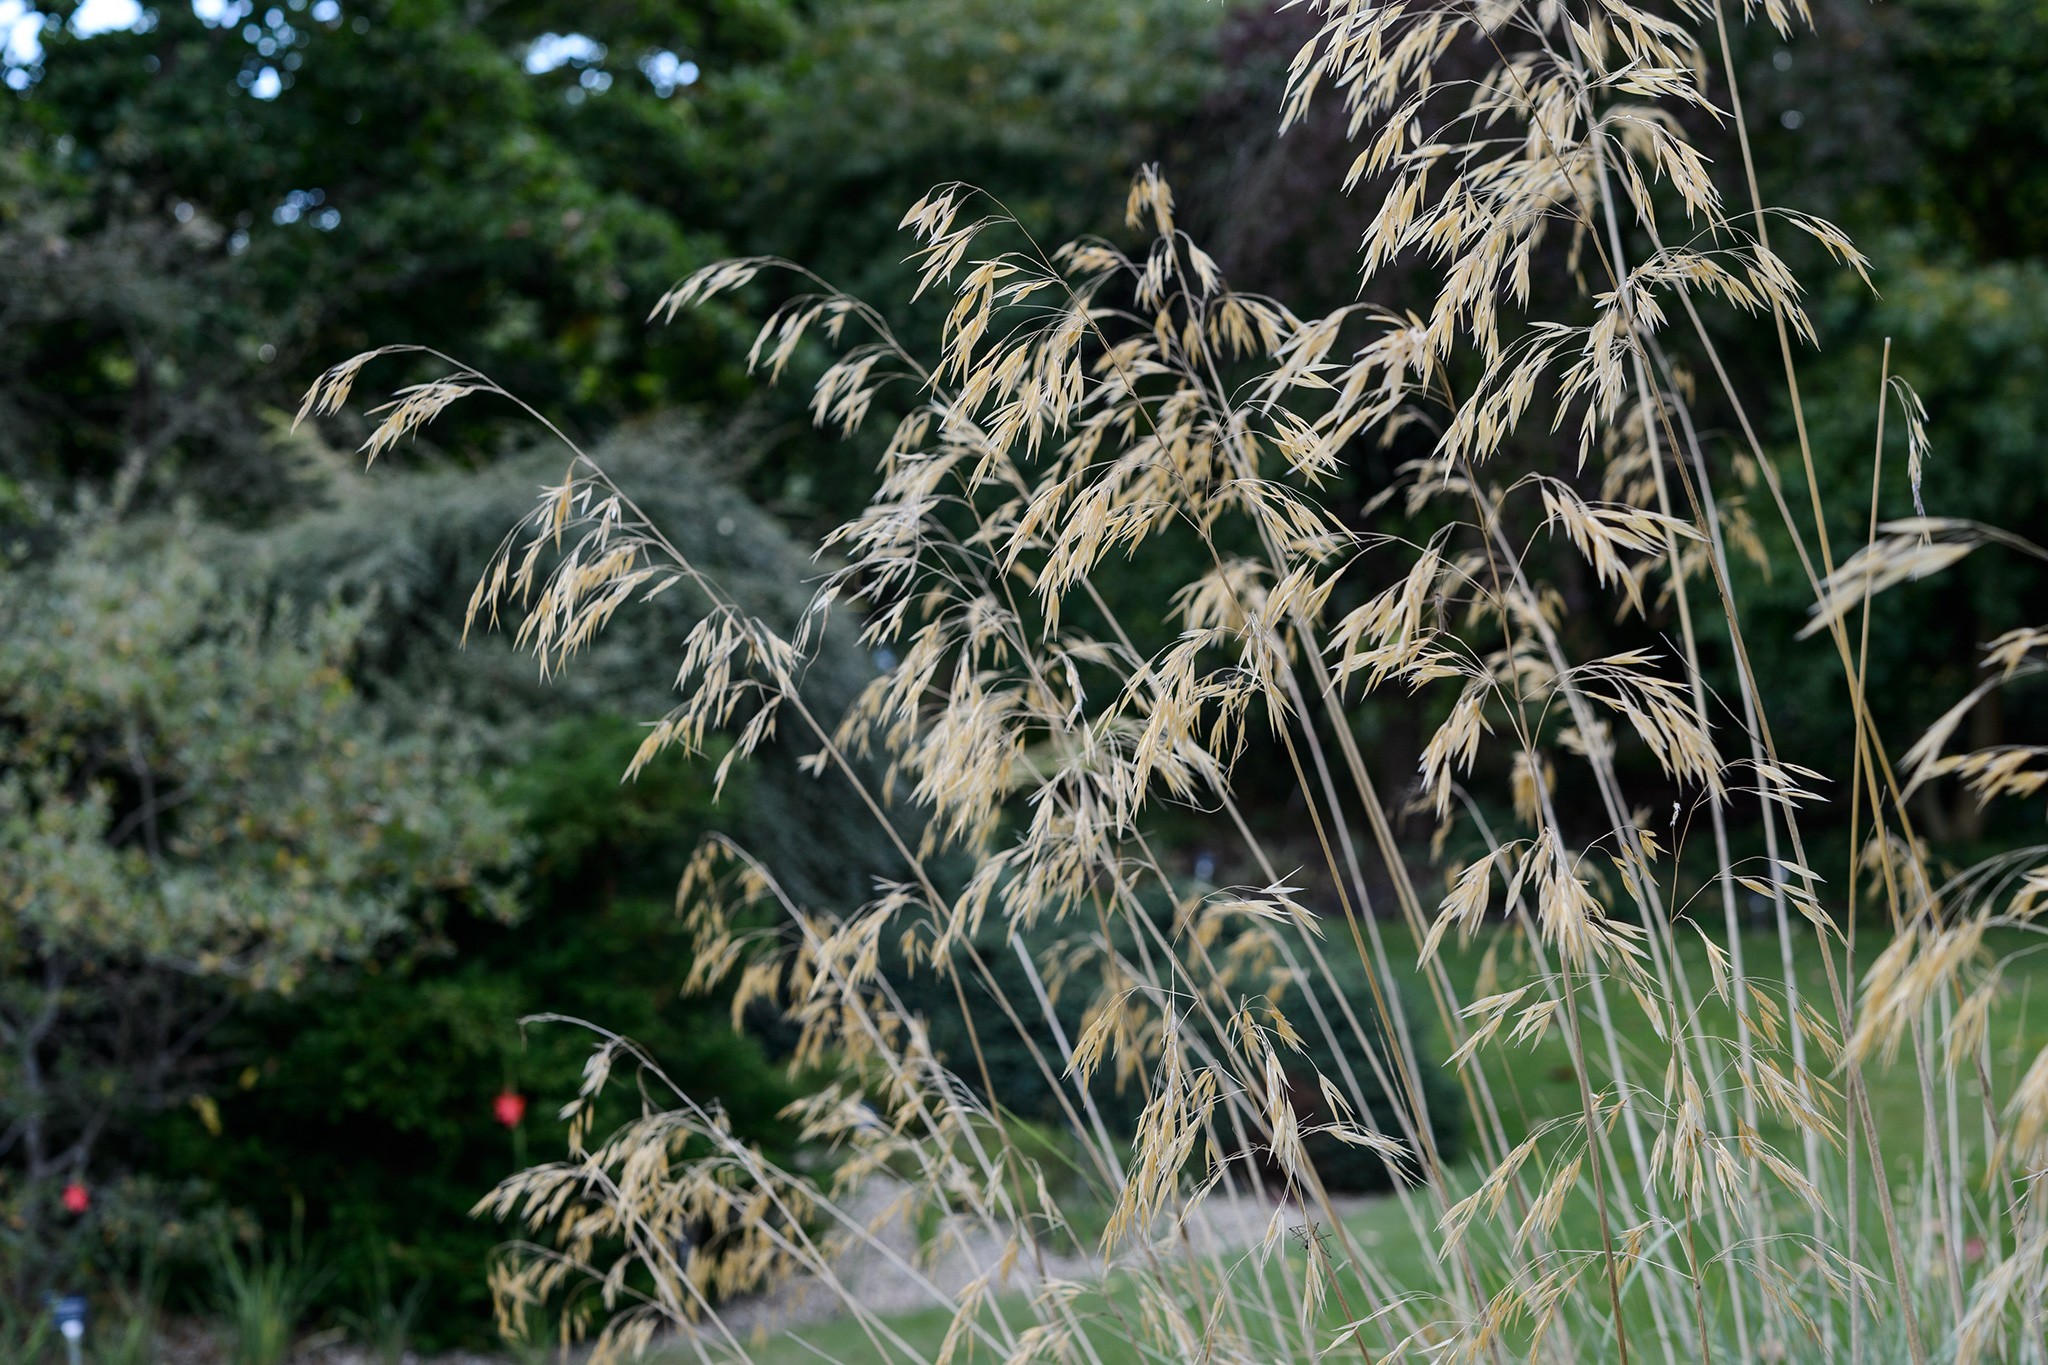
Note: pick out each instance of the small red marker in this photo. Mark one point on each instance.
(509, 1108)
(76, 1198)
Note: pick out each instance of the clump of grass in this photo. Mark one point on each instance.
(129, 1340)
(261, 1296)
(130, 1335)
(25, 1333)
(1717, 1187)
(385, 1324)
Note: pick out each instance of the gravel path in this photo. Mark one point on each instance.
(894, 1277)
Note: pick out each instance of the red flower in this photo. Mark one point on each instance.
(76, 1198)
(509, 1108)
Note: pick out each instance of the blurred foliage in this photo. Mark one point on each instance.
(1919, 128)
(1045, 104)
(196, 808)
(370, 1097)
(407, 179)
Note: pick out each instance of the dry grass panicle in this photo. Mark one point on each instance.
(1720, 1190)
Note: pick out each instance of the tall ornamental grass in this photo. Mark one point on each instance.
(1719, 1191)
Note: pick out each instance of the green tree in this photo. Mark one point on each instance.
(196, 808)
(250, 194)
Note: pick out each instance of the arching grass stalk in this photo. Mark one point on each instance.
(1110, 402)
